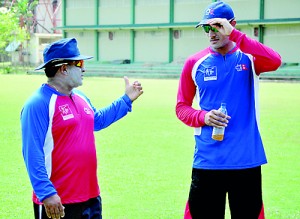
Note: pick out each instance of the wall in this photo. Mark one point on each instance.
(286, 40)
(85, 40)
(154, 23)
(114, 45)
(189, 10)
(155, 11)
(151, 46)
(282, 9)
(114, 12)
(189, 42)
(80, 12)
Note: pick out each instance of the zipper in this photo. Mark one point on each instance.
(74, 103)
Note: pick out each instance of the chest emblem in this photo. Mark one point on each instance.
(66, 112)
(87, 110)
(241, 67)
(210, 73)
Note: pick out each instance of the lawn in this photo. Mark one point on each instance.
(145, 159)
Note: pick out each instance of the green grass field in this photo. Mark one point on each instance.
(145, 159)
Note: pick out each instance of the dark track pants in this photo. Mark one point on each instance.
(207, 198)
(91, 209)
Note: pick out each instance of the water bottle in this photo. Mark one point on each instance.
(218, 133)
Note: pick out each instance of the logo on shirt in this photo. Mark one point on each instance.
(210, 73)
(87, 110)
(66, 112)
(241, 67)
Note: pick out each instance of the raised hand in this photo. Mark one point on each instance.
(222, 25)
(133, 90)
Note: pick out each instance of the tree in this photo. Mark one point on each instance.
(24, 10)
(15, 22)
(10, 29)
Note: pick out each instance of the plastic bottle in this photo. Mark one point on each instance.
(218, 133)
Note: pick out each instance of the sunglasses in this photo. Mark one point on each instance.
(207, 28)
(79, 63)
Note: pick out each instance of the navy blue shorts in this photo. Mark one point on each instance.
(91, 209)
(207, 198)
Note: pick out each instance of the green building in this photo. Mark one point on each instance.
(163, 31)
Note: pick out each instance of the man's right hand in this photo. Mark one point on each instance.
(54, 207)
(216, 118)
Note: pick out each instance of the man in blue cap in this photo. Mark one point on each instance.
(225, 72)
(58, 144)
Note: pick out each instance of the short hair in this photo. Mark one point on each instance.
(50, 71)
(52, 67)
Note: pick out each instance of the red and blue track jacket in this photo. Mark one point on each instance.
(233, 79)
(59, 144)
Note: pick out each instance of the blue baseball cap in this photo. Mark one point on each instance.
(64, 49)
(216, 10)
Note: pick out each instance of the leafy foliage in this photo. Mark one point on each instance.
(15, 22)
(24, 10)
(9, 28)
